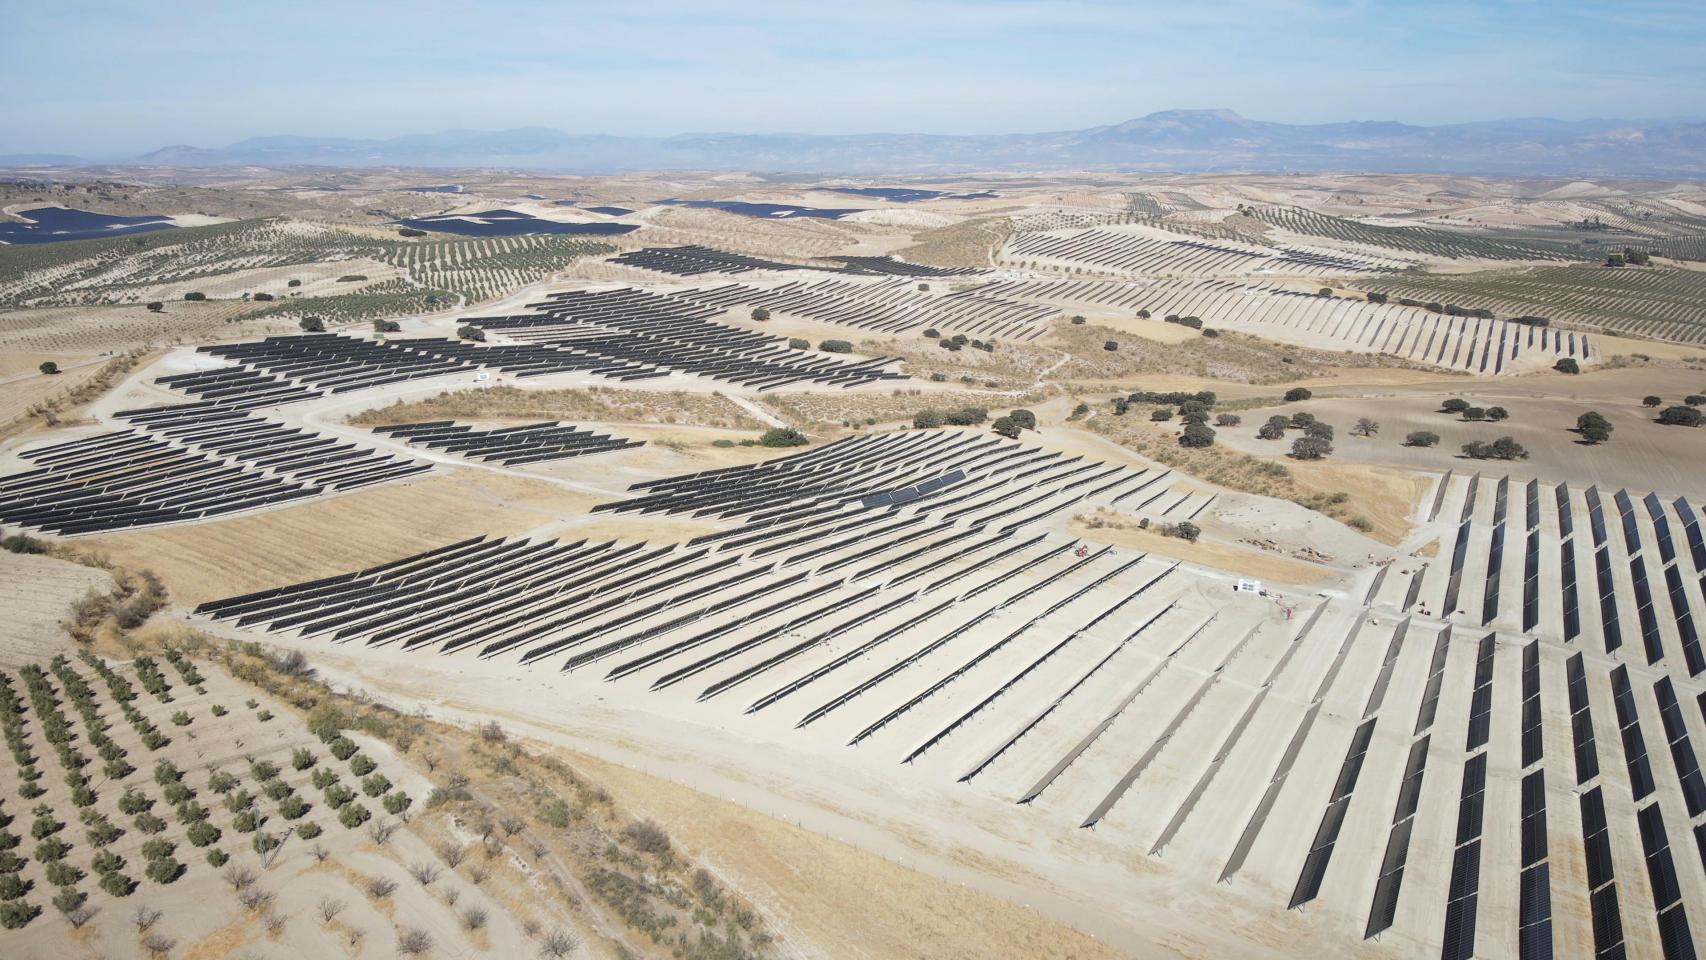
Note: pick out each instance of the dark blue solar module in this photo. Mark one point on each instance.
(509, 223)
(610, 211)
(441, 188)
(769, 211)
(897, 194)
(52, 224)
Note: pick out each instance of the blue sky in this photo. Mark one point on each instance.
(112, 79)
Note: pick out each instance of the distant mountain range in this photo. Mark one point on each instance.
(1181, 140)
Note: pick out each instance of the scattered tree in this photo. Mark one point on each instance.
(783, 437)
(195, 296)
(835, 346)
(1682, 416)
(1497, 414)
(1298, 393)
(49, 367)
(1366, 427)
(760, 314)
(1197, 435)
(1311, 448)
(155, 306)
(1567, 365)
(1421, 438)
(1006, 427)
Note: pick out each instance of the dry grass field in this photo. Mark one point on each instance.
(206, 561)
(612, 405)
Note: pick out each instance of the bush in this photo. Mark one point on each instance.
(1681, 416)
(1567, 365)
(932, 333)
(15, 914)
(401, 232)
(308, 831)
(470, 332)
(1454, 405)
(760, 314)
(1274, 429)
(1112, 346)
(375, 784)
(1298, 393)
(1311, 448)
(1197, 435)
(1651, 401)
(117, 884)
(835, 346)
(1421, 438)
(396, 802)
(386, 326)
(12, 886)
(302, 758)
(1006, 427)
(1376, 297)
(353, 815)
(155, 306)
(799, 343)
(1228, 420)
(775, 437)
(647, 837)
(1497, 414)
(342, 747)
(1024, 418)
(1503, 448)
(195, 296)
(312, 325)
(201, 833)
(163, 870)
(1474, 413)
(48, 367)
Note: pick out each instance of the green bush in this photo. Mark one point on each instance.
(323, 778)
(134, 802)
(62, 874)
(117, 884)
(375, 785)
(777, 437)
(1197, 435)
(157, 848)
(362, 765)
(292, 807)
(353, 815)
(12, 886)
(202, 833)
(1421, 438)
(15, 914)
(1006, 427)
(163, 870)
(396, 802)
(343, 748)
(308, 831)
(1298, 393)
(835, 346)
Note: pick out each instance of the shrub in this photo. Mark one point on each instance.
(292, 807)
(163, 870)
(835, 346)
(1006, 427)
(117, 884)
(353, 815)
(1694, 399)
(928, 419)
(1112, 346)
(155, 306)
(343, 748)
(149, 823)
(799, 343)
(246, 822)
(1498, 413)
(134, 802)
(1365, 426)
(48, 367)
(1161, 414)
(1474, 413)
(1421, 438)
(201, 833)
(1651, 401)
(308, 831)
(1681, 416)
(1298, 393)
(62, 874)
(323, 778)
(375, 784)
(1567, 365)
(774, 437)
(15, 914)
(760, 314)
(312, 325)
(1311, 448)
(1197, 435)
(1274, 429)
(1228, 420)
(217, 857)
(12, 886)
(1024, 418)
(471, 332)
(195, 296)
(647, 837)
(386, 326)
(396, 802)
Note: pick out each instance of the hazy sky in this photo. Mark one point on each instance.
(108, 79)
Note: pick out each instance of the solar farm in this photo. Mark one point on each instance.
(990, 548)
